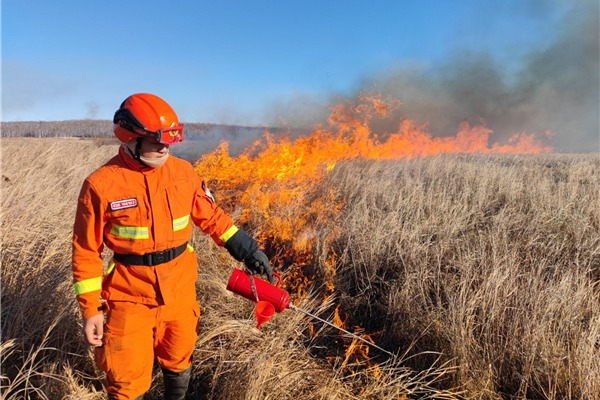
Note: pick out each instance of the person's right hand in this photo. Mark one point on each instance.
(93, 330)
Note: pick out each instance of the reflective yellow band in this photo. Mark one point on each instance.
(229, 233)
(190, 248)
(180, 223)
(130, 232)
(88, 285)
(111, 266)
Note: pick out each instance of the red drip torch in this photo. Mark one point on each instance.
(270, 298)
(256, 289)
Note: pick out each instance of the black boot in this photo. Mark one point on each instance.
(176, 383)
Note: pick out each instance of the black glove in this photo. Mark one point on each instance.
(258, 263)
(244, 248)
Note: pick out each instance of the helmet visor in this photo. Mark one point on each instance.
(171, 135)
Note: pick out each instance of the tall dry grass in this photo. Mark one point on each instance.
(481, 273)
(492, 261)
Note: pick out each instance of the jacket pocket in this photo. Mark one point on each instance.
(125, 219)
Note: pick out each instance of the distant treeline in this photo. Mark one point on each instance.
(74, 128)
(90, 128)
(200, 138)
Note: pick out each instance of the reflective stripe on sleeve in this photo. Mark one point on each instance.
(229, 233)
(181, 223)
(130, 232)
(88, 285)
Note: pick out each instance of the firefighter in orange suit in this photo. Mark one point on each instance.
(141, 204)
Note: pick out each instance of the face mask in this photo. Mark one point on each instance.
(155, 162)
(150, 162)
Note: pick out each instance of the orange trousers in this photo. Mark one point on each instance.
(136, 334)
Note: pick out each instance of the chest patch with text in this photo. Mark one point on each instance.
(123, 204)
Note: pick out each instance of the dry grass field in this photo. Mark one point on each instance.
(480, 272)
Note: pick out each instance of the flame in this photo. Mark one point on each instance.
(274, 188)
(356, 350)
(337, 320)
(275, 185)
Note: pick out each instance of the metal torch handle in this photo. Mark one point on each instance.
(253, 286)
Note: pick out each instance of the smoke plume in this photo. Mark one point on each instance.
(556, 89)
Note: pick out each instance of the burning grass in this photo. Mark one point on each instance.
(473, 260)
(479, 271)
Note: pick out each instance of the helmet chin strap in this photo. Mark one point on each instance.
(136, 154)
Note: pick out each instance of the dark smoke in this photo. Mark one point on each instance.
(556, 89)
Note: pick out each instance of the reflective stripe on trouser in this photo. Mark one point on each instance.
(135, 334)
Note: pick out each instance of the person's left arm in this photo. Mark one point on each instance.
(211, 219)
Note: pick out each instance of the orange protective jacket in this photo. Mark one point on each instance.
(137, 210)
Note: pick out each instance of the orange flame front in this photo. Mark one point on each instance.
(275, 190)
(276, 184)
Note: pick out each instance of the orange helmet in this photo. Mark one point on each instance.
(147, 115)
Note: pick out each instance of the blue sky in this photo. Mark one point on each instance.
(252, 62)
